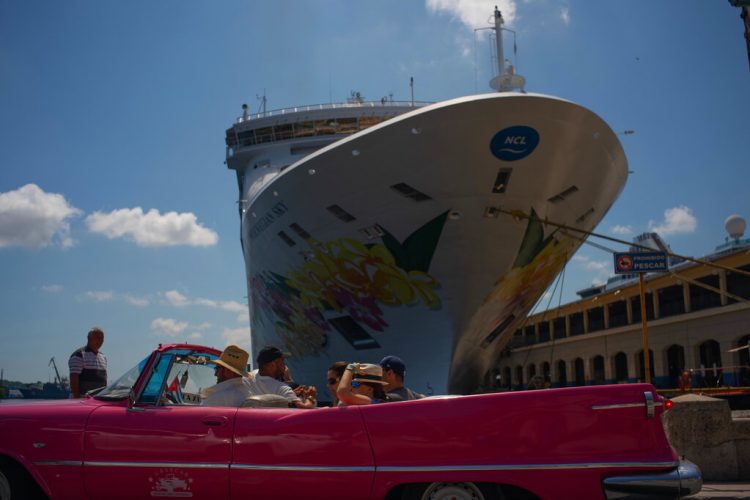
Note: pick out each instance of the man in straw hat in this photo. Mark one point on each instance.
(232, 387)
(268, 379)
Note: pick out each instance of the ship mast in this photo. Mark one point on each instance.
(506, 79)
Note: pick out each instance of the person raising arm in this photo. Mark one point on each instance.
(361, 384)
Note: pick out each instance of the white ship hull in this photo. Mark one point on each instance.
(395, 240)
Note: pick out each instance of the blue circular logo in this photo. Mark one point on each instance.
(514, 143)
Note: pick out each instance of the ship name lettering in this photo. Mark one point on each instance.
(268, 218)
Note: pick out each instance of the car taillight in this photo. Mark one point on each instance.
(668, 404)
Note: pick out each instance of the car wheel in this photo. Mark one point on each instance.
(15, 483)
(4, 487)
(451, 491)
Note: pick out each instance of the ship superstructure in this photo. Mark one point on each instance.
(375, 228)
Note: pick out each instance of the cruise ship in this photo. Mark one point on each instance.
(414, 229)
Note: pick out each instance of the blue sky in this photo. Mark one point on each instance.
(116, 208)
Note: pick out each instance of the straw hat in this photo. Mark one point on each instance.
(370, 374)
(234, 358)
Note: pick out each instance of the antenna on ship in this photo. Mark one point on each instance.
(506, 79)
(262, 99)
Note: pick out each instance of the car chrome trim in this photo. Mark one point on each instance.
(622, 405)
(408, 468)
(304, 468)
(516, 467)
(456, 468)
(683, 480)
(181, 465)
(75, 463)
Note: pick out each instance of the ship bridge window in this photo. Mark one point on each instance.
(702, 298)
(304, 129)
(231, 138)
(264, 134)
(353, 333)
(300, 231)
(341, 213)
(369, 121)
(262, 164)
(324, 127)
(285, 131)
(501, 182)
(563, 194)
(346, 125)
(409, 192)
(285, 237)
(671, 301)
(246, 138)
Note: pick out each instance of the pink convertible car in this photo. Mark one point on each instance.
(147, 436)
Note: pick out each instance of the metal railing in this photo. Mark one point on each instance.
(336, 105)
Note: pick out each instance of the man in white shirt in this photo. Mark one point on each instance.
(268, 379)
(232, 386)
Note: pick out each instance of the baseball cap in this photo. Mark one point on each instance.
(269, 353)
(395, 364)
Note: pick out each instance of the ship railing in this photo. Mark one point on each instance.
(336, 105)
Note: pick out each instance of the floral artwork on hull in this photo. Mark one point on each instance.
(345, 276)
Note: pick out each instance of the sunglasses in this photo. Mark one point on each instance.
(355, 384)
(332, 381)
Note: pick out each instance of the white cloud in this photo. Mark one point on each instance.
(677, 220)
(136, 301)
(52, 288)
(238, 336)
(195, 336)
(474, 13)
(152, 229)
(100, 295)
(109, 296)
(176, 298)
(31, 218)
(167, 327)
(622, 230)
(565, 15)
(602, 269)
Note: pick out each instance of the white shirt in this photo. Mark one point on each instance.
(232, 392)
(263, 384)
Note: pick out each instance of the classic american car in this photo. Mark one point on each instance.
(146, 435)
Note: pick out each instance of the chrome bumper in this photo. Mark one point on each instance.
(683, 480)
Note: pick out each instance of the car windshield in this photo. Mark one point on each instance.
(120, 388)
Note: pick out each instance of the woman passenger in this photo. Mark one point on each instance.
(335, 371)
(361, 384)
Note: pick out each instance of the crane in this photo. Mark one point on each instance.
(58, 379)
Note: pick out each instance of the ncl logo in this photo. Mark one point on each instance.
(514, 143)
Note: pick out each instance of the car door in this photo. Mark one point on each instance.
(293, 453)
(151, 449)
